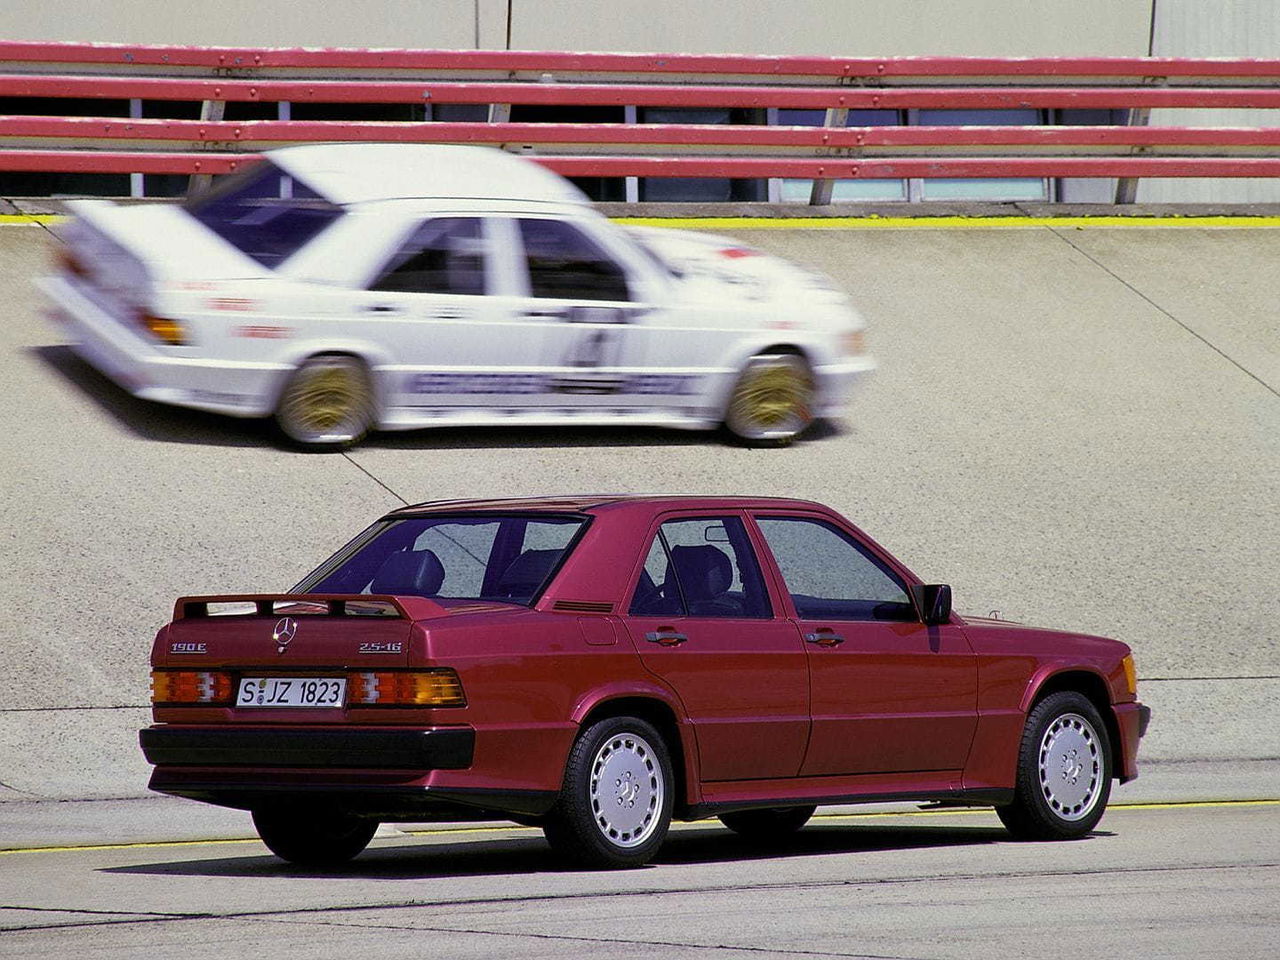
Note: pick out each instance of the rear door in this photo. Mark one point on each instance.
(889, 694)
(702, 620)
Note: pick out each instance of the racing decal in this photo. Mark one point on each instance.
(262, 332)
(235, 304)
(646, 384)
(507, 383)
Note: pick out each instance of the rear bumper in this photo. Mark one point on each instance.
(440, 748)
(147, 370)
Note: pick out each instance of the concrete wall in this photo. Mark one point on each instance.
(1232, 28)
(836, 27)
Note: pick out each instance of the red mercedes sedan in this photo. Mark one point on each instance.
(600, 665)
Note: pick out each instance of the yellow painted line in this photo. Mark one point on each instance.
(445, 832)
(971, 811)
(938, 223)
(28, 219)
(872, 222)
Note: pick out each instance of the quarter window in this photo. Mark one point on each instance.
(830, 576)
(442, 256)
(701, 568)
(566, 264)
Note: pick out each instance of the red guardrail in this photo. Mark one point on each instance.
(217, 76)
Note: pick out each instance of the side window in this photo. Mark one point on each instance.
(832, 577)
(701, 568)
(446, 255)
(564, 263)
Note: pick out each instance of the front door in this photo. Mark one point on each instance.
(889, 694)
(702, 621)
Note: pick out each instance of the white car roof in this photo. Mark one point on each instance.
(352, 173)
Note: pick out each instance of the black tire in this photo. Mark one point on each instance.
(313, 838)
(1064, 771)
(326, 404)
(772, 823)
(772, 402)
(602, 824)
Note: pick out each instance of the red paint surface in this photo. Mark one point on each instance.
(755, 712)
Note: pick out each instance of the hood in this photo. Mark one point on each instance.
(722, 265)
(983, 631)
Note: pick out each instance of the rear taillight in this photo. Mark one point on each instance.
(400, 688)
(190, 686)
(164, 329)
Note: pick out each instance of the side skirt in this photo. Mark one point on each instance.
(985, 797)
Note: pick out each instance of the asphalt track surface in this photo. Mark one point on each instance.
(1076, 425)
(1151, 882)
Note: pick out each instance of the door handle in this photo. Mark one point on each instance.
(665, 636)
(383, 308)
(824, 638)
(548, 313)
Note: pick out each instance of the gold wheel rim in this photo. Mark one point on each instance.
(327, 402)
(772, 400)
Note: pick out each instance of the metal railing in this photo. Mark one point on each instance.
(215, 77)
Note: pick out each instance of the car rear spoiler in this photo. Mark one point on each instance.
(307, 604)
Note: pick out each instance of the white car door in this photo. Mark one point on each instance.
(592, 317)
(449, 337)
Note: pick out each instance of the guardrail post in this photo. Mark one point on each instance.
(1127, 187)
(211, 111)
(820, 195)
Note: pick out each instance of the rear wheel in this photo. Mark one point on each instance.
(1064, 771)
(772, 402)
(327, 403)
(772, 823)
(313, 838)
(615, 805)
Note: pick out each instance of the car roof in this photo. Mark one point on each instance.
(596, 503)
(353, 173)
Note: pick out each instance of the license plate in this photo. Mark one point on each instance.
(291, 692)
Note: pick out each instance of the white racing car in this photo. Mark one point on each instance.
(347, 287)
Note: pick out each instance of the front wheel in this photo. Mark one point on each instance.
(313, 838)
(772, 402)
(327, 403)
(772, 823)
(615, 805)
(1064, 771)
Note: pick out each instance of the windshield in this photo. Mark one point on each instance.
(264, 213)
(508, 558)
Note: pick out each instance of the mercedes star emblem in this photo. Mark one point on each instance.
(285, 629)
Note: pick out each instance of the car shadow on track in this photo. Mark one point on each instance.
(149, 420)
(531, 855)
(166, 424)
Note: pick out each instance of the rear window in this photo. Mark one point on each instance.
(264, 213)
(476, 557)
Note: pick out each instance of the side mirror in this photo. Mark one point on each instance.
(933, 601)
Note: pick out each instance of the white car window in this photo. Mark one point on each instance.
(564, 263)
(445, 255)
